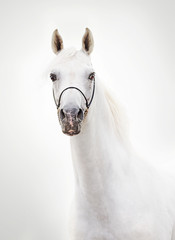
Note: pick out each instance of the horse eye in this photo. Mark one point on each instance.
(53, 77)
(92, 76)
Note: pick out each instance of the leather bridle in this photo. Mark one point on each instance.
(87, 103)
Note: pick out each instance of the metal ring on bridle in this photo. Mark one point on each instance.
(87, 104)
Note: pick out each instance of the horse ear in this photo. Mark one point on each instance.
(88, 42)
(57, 42)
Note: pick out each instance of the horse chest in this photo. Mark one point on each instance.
(103, 221)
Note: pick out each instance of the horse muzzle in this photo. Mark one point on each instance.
(70, 120)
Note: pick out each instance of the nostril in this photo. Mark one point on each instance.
(62, 115)
(80, 114)
(71, 113)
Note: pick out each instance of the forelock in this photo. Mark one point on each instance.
(69, 54)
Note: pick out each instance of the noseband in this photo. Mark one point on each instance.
(87, 103)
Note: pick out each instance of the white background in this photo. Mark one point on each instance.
(134, 54)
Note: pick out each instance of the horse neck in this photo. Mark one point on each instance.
(98, 151)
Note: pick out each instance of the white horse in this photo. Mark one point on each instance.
(117, 195)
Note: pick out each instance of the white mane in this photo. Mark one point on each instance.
(118, 114)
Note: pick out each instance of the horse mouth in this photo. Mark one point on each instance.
(71, 120)
(71, 132)
(70, 129)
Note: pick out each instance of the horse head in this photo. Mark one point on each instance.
(73, 80)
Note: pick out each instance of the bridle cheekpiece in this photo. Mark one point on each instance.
(86, 100)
